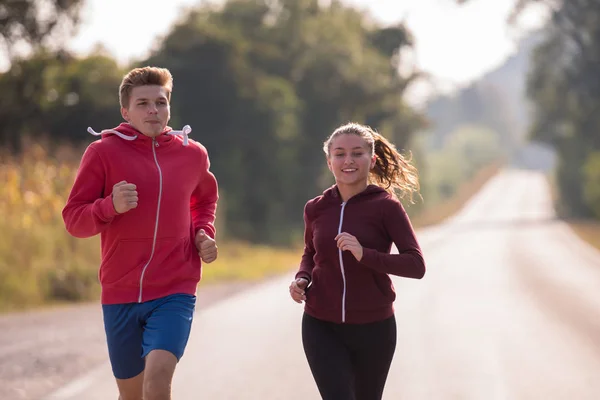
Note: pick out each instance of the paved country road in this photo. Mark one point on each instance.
(509, 309)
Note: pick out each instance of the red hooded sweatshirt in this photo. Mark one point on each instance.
(343, 290)
(147, 252)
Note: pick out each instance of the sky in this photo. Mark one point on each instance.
(454, 44)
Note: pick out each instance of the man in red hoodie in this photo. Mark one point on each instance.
(149, 193)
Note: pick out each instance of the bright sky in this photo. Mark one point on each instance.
(455, 44)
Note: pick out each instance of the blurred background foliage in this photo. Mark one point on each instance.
(262, 83)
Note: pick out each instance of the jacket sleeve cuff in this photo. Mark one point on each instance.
(106, 209)
(303, 274)
(209, 231)
(370, 257)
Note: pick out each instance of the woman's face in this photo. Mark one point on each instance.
(350, 160)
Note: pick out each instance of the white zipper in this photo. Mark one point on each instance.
(342, 266)
(160, 184)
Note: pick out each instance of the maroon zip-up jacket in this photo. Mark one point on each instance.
(342, 289)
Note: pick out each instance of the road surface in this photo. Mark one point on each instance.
(509, 309)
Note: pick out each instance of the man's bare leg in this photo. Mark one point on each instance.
(131, 389)
(160, 367)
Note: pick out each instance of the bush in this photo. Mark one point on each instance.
(591, 183)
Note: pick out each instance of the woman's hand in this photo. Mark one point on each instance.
(297, 289)
(346, 241)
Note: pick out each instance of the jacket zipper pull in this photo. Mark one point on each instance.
(155, 142)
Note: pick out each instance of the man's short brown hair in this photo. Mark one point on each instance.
(142, 77)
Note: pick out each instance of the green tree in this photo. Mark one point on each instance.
(564, 86)
(58, 98)
(36, 22)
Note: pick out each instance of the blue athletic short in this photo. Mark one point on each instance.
(135, 329)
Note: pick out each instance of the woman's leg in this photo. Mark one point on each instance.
(328, 358)
(373, 346)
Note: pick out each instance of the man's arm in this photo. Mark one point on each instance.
(203, 203)
(88, 212)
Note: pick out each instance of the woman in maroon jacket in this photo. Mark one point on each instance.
(348, 327)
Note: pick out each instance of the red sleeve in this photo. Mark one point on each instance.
(203, 203)
(87, 211)
(409, 261)
(307, 264)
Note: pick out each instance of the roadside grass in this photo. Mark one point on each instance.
(587, 230)
(249, 262)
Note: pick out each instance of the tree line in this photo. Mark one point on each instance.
(564, 86)
(261, 82)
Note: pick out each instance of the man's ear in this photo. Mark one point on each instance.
(125, 114)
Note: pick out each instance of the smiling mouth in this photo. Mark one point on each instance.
(349, 170)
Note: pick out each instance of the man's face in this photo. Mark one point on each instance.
(149, 110)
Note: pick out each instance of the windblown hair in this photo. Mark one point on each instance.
(392, 171)
(142, 77)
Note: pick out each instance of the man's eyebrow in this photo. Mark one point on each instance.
(145, 99)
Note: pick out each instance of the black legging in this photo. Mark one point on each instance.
(349, 361)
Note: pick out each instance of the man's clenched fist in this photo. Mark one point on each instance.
(124, 197)
(207, 247)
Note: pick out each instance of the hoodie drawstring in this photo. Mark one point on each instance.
(184, 132)
(119, 134)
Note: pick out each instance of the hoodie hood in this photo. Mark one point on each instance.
(127, 132)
